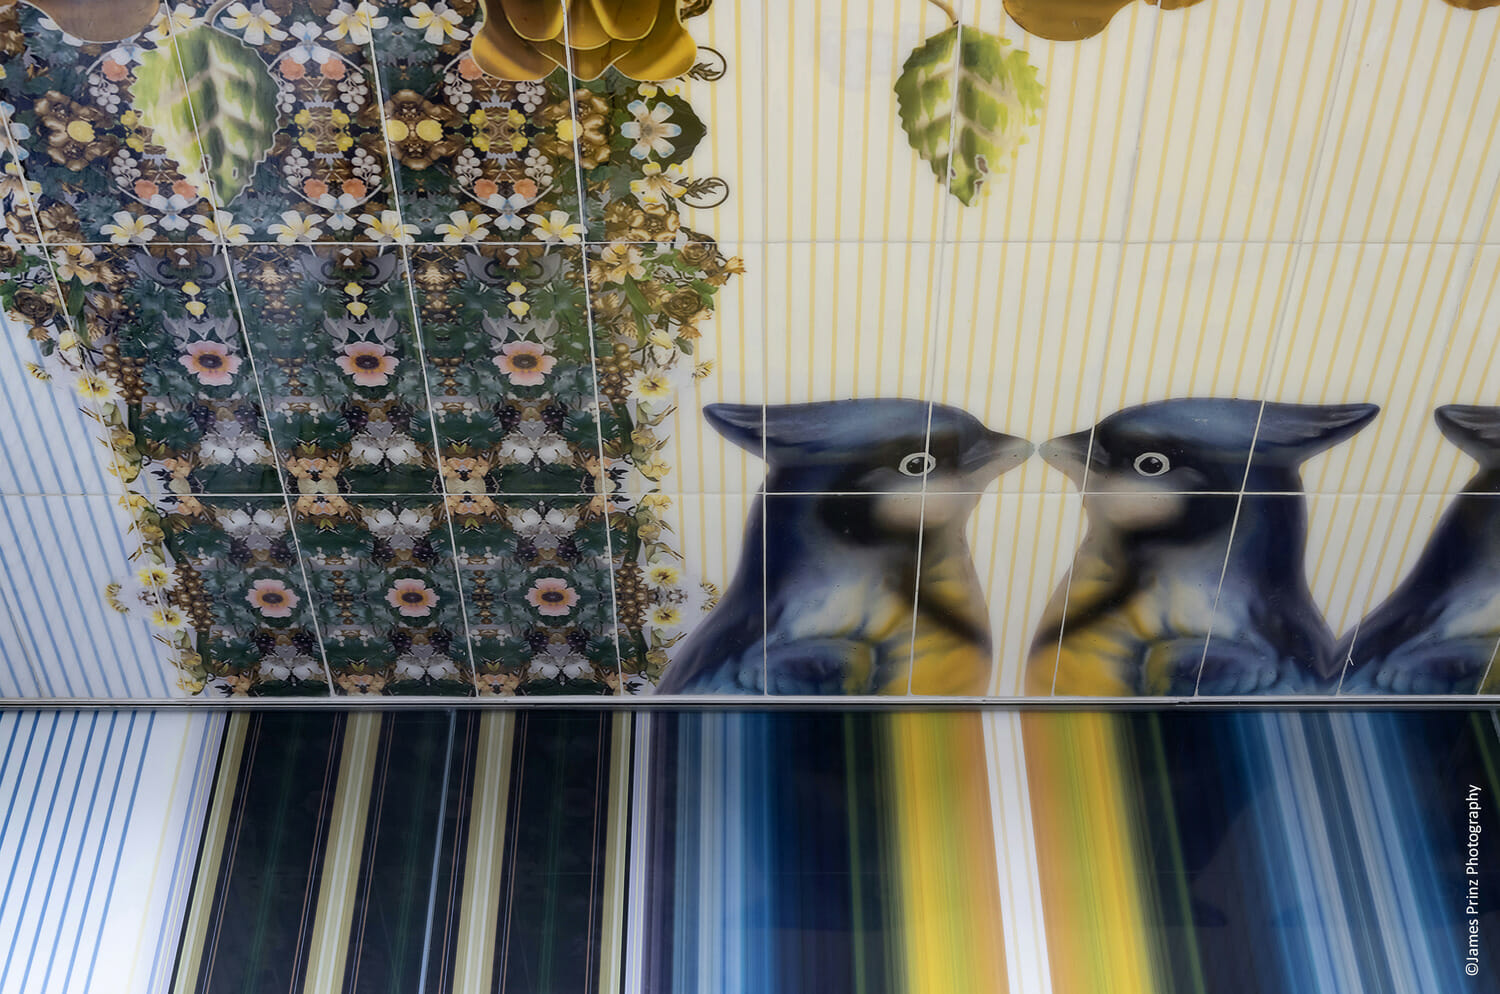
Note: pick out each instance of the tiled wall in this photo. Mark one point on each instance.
(411, 392)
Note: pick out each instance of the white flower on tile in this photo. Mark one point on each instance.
(128, 229)
(439, 23)
(221, 226)
(506, 211)
(388, 228)
(531, 440)
(230, 443)
(355, 23)
(650, 129)
(256, 22)
(339, 208)
(171, 209)
(657, 184)
(463, 228)
(307, 47)
(554, 228)
(178, 18)
(295, 227)
(381, 442)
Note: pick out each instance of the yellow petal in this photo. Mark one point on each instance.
(666, 53)
(534, 20)
(626, 20)
(500, 51)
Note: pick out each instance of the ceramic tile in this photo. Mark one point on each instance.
(91, 618)
(98, 173)
(836, 164)
(1426, 619)
(385, 593)
(1068, 177)
(19, 676)
(242, 587)
(477, 158)
(506, 337)
(49, 451)
(1023, 546)
(1194, 321)
(1235, 109)
(1410, 143)
(338, 365)
(1370, 325)
(1022, 337)
(1135, 610)
(311, 109)
(1447, 452)
(540, 588)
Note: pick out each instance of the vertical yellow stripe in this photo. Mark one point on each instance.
(480, 904)
(1094, 908)
(195, 932)
(616, 858)
(948, 880)
(328, 954)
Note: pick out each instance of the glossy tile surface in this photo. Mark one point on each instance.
(327, 297)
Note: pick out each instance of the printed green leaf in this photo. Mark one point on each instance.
(967, 138)
(230, 93)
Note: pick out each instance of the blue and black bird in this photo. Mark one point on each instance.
(1175, 551)
(1437, 631)
(855, 576)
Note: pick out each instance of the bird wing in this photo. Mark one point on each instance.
(821, 666)
(1440, 666)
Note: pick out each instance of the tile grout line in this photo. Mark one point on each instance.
(1299, 252)
(602, 481)
(944, 244)
(403, 250)
(222, 246)
(1114, 299)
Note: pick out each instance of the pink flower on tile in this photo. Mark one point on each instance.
(145, 189)
(211, 362)
(314, 188)
(272, 598)
(367, 363)
(332, 69)
(468, 68)
(185, 190)
(355, 188)
(526, 363)
(411, 598)
(552, 597)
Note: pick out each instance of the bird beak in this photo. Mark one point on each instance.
(1000, 454)
(1070, 454)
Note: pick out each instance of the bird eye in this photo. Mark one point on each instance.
(1152, 464)
(916, 464)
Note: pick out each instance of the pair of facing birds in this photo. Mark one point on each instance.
(855, 576)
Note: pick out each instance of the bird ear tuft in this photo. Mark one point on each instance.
(1300, 431)
(742, 424)
(1476, 430)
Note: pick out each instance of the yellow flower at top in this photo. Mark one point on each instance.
(81, 131)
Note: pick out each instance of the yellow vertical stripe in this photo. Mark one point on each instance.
(1094, 905)
(616, 858)
(195, 931)
(329, 951)
(479, 906)
(949, 884)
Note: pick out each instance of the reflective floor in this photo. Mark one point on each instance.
(551, 851)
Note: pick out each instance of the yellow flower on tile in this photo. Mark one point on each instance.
(526, 40)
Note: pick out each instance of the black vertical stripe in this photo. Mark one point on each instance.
(390, 910)
(552, 876)
(264, 901)
(448, 888)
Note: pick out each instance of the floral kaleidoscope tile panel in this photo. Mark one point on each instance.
(951, 348)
